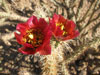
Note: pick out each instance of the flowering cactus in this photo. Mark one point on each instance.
(63, 29)
(35, 36)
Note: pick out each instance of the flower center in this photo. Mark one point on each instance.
(33, 37)
(62, 28)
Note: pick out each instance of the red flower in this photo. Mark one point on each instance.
(63, 29)
(35, 36)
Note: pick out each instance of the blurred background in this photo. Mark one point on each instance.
(79, 56)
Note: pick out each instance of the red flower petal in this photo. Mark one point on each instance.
(70, 26)
(58, 31)
(22, 27)
(28, 45)
(76, 33)
(52, 25)
(46, 30)
(18, 38)
(62, 20)
(42, 23)
(71, 36)
(47, 37)
(55, 17)
(32, 22)
(46, 50)
(26, 50)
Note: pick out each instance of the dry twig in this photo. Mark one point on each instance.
(13, 16)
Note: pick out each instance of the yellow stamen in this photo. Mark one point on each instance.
(24, 39)
(29, 41)
(62, 27)
(57, 24)
(31, 36)
(64, 33)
